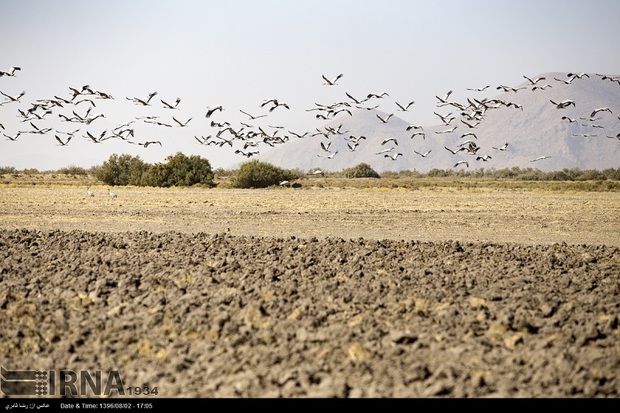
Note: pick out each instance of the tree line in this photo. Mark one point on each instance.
(183, 170)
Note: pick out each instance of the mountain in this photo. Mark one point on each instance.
(524, 118)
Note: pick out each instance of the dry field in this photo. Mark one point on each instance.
(321, 291)
(427, 214)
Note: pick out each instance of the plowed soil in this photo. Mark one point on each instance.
(322, 292)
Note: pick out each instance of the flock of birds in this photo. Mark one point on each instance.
(246, 137)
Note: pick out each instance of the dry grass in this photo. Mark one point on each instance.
(353, 208)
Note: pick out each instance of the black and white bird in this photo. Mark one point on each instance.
(461, 163)
(171, 106)
(274, 104)
(404, 108)
(472, 134)
(139, 101)
(385, 119)
(483, 158)
(570, 120)
(61, 142)
(89, 192)
(333, 81)
(181, 124)
(111, 194)
(213, 109)
(13, 98)
(418, 133)
(480, 89)
(540, 158)
(392, 156)
(330, 156)
(384, 151)
(454, 152)
(325, 147)
(509, 88)
(563, 104)
(252, 117)
(447, 130)
(12, 138)
(147, 143)
(423, 155)
(445, 97)
(595, 111)
(536, 80)
(502, 148)
(11, 71)
(388, 140)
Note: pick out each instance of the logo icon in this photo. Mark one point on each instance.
(24, 382)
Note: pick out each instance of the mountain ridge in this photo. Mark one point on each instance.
(526, 119)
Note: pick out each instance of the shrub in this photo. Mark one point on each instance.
(256, 174)
(180, 170)
(121, 170)
(73, 170)
(7, 170)
(362, 170)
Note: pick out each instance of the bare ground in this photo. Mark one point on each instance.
(316, 292)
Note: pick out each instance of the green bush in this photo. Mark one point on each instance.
(73, 170)
(256, 174)
(7, 170)
(362, 170)
(122, 170)
(180, 170)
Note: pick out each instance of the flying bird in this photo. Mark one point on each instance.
(181, 124)
(13, 98)
(534, 81)
(447, 130)
(461, 163)
(12, 138)
(389, 140)
(570, 120)
(563, 104)
(384, 151)
(540, 158)
(331, 82)
(170, 106)
(423, 155)
(61, 142)
(252, 117)
(11, 71)
(595, 111)
(392, 156)
(453, 152)
(356, 101)
(444, 99)
(330, 156)
(480, 89)
(472, 134)
(386, 119)
(483, 158)
(139, 101)
(509, 88)
(502, 148)
(404, 108)
(275, 104)
(325, 147)
(213, 109)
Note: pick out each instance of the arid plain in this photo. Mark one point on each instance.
(319, 291)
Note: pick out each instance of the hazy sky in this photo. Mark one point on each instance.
(240, 53)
